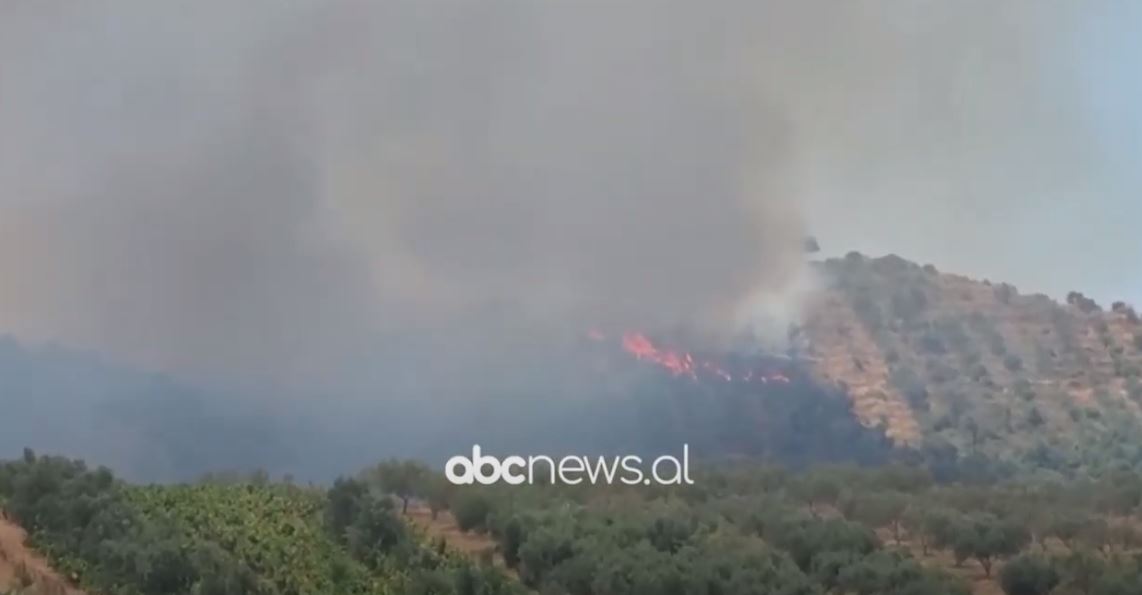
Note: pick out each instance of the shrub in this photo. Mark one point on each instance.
(471, 510)
(1082, 302)
(1029, 575)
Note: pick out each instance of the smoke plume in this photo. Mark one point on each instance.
(261, 189)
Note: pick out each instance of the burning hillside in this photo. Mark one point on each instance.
(733, 368)
(727, 402)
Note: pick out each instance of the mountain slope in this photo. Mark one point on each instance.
(942, 362)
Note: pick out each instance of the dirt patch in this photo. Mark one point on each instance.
(846, 355)
(22, 568)
(444, 527)
(477, 546)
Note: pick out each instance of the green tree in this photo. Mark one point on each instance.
(987, 538)
(343, 504)
(401, 479)
(883, 509)
(437, 492)
(818, 488)
(1066, 527)
(1082, 570)
(929, 526)
(513, 537)
(471, 509)
(1029, 575)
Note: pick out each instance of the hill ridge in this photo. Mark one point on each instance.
(943, 359)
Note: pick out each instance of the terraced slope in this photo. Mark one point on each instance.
(945, 362)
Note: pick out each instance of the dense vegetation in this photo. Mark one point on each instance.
(248, 537)
(845, 530)
(741, 529)
(752, 529)
(1049, 388)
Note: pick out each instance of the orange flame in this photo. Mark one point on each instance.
(683, 363)
(642, 348)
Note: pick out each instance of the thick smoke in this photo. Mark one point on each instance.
(247, 189)
(262, 189)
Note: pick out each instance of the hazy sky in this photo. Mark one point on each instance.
(266, 187)
(1071, 217)
(1113, 50)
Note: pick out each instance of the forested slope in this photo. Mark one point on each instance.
(959, 367)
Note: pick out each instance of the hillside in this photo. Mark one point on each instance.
(243, 535)
(957, 372)
(956, 367)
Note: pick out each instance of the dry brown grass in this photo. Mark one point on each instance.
(847, 355)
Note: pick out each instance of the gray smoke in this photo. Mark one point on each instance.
(262, 189)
